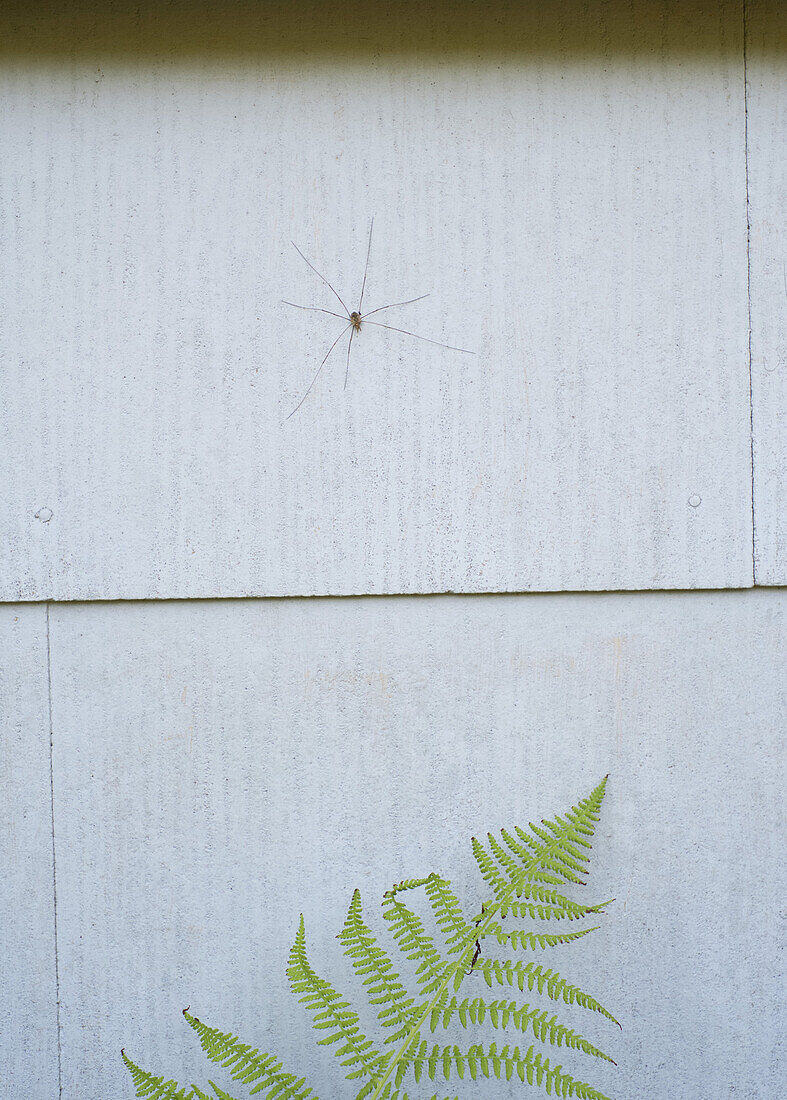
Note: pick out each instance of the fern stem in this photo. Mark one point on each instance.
(460, 965)
(477, 933)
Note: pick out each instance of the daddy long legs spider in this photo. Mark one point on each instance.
(357, 318)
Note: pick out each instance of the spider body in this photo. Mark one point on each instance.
(354, 320)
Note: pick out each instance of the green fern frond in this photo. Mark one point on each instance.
(506, 862)
(414, 942)
(156, 1088)
(526, 871)
(374, 966)
(480, 1061)
(498, 882)
(549, 905)
(332, 1013)
(407, 884)
(528, 975)
(220, 1093)
(448, 912)
(555, 854)
(248, 1065)
(560, 861)
(522, 1017)
(518, 937)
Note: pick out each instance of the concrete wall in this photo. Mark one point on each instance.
(222, 766)
(593, 197)
(573, 202)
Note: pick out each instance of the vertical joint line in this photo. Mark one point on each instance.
(54, 864)
(748, 290)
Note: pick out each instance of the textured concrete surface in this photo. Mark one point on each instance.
(569, 184)
(767, 130)
(221, 767)
(28, 989)
(576, 214)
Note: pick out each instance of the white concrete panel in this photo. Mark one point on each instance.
(222, 767)
(568, 186)
(28, 984)
(767, 143)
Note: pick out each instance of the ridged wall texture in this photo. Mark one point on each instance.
(191, 752)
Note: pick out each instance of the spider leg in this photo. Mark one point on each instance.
(366, 268)
(314, 309)
(426, 339)
(347, 368)
(317, 273)
(391, 305)
(317, 375)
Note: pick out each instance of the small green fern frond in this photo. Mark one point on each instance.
(248, 1065)
(554, 855)
(156, 1088)
(332, 1013)
(509, 865)
(220, 1093)
(414, 942)
(528, 975)
(518, 937)
(373, 965)
(448, 912)
(549, 905)
(522, 1017)
(406, 884)
(560, 857)
(499, 884)
(535, 845)
(478, 1060)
